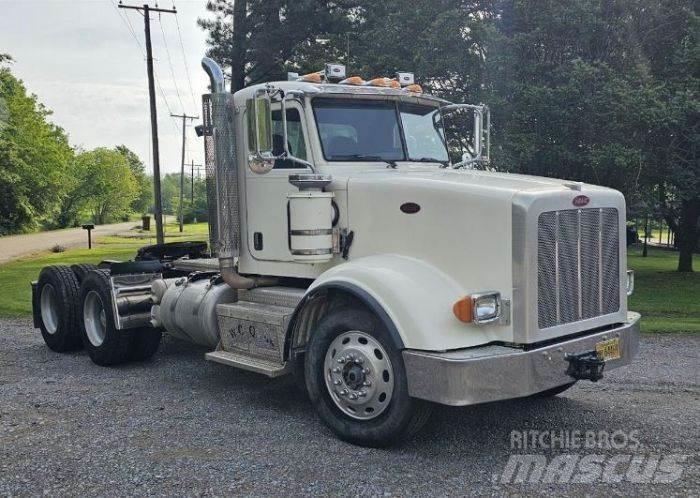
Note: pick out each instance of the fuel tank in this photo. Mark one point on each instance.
(187, 308)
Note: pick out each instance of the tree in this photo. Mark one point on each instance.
(144, 200)
(104, 185)
(197, 209)
(257, 39)
(34, 158)
(673, 56)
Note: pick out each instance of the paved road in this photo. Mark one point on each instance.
(16, 246)
(180, 425)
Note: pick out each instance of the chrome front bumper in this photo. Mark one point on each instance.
(491, 373)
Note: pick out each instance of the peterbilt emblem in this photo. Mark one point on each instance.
(581, 200)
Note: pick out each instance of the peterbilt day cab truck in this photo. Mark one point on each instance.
(346, 249)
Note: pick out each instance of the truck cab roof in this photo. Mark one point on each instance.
(337, 90)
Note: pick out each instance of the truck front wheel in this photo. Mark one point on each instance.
(357, 381)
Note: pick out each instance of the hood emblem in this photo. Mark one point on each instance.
(410, 207)
(581, 200)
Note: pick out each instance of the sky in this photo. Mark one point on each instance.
(82, 61)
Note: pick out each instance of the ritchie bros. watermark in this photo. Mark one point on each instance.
(586, 457)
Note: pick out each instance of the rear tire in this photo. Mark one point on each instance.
(58, 302)
(80, 270)
(358, 418)
(105, 344)
(145, 343)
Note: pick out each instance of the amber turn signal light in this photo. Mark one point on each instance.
(353, 80)
(464, 309)
(312, 78)
(414, 88)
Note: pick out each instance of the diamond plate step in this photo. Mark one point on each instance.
(287, 297)
(258, 365)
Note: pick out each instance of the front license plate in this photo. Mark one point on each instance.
(608, 350)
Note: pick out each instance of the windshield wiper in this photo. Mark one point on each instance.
(363, 157)
(430, 160)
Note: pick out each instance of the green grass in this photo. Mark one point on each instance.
(668, 301)
(15, 276)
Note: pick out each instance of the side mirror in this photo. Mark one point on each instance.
(481, 136)
(259, 112)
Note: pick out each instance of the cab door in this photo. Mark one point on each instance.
(266, 194)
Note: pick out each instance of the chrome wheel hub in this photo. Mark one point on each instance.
(49, 311)
(95, 319)
(358, 375)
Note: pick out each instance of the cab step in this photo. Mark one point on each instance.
(245, 362)
(286, 297)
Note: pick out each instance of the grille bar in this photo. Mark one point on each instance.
(578, 265)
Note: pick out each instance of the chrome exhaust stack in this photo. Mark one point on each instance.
(223, 180)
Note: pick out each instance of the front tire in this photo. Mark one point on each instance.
(357, 381)
(58, 303)
(105, 344)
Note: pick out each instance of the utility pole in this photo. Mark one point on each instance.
(199, 167)
(184, 117)
(160, 238)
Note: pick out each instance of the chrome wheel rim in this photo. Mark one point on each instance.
(358, 375)
(49, 308)
(95, 319)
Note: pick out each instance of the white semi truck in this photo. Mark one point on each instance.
(346, 249)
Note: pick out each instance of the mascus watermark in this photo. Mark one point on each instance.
(579, 462)
(574, 440)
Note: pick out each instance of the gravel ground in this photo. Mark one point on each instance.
(180, 425)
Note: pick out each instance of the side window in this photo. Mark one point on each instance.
(295, 139)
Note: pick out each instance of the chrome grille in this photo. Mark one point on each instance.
(578, 275)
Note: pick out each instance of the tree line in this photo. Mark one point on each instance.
(47, 183)
(602, 91)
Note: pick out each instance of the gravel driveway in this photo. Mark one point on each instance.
(180, 425)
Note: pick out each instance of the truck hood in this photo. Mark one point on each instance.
(469, 181)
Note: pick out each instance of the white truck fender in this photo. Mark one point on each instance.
(416, 297)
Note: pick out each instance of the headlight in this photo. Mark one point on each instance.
(630, 282)
(487, 307)
(481, 308)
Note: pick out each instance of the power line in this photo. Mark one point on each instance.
(170, 63)
(127, 23)
(184, 60)
(130, 27)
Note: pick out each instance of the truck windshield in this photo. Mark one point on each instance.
(371, 130)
